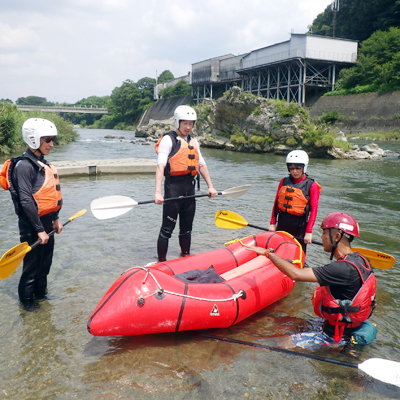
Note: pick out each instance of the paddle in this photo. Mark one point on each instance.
(387, 371)
(11, 260)
(231, 220)
(114, 206)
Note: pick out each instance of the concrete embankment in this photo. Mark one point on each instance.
(163, 109)
(106, 166)
(362, 113)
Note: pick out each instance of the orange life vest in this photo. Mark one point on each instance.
(48, 198)
(5, 175)
(294, 198)
(358, 310)
(183, 158)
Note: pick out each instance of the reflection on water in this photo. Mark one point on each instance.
(48, 354)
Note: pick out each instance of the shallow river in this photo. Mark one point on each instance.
(48, 353)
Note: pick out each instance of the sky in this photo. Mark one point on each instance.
(67, 50)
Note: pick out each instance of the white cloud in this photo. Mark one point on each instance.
(72, 49)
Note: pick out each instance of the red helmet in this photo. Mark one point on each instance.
(340, 220)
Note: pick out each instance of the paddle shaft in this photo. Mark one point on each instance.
(265, 229)
(265, 347)
(178, 198)
(49, 234)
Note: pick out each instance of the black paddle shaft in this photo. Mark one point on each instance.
(290, 352)
(178, 198)
(265, 229)
(49, 234)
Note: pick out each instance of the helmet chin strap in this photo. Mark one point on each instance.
(334, 245)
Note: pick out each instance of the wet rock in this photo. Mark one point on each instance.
(341, 136)
(374, 149)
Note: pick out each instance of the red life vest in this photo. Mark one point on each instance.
(361, 307)
(293, 198)
(184, 157)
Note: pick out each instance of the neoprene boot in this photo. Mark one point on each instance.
(185, 240)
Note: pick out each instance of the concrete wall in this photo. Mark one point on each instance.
(163, 109)
(367, 112)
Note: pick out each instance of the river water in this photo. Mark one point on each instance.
(48, 353)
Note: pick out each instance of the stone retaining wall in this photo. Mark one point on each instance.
(366, 112)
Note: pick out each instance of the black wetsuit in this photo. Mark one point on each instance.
(182, 185)
(27, 178)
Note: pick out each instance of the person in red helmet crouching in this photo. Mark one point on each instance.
(346, 295)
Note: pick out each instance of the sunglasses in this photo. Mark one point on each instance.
(48, 139)
(295, 167)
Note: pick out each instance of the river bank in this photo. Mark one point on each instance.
(242, 122)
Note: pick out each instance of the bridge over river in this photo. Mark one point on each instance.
(60, 109)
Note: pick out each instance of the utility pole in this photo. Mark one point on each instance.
(335, 9)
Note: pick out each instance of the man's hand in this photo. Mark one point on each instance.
(212, 192)
(58, 226)
(158, 198)
(44, 237)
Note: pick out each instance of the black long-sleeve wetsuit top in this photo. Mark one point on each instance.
(28, 179)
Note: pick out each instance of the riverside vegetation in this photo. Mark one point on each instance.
(11, 120)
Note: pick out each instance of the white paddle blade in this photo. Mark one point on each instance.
(387, 371)
(111, 206)
(236, 191)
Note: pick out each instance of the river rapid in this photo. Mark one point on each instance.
(48, 353)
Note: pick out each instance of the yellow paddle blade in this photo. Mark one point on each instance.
(376, 258)
(229, 220)
(12, 259)
(78, 214)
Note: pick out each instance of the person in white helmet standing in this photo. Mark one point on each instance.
(179, 160)
(296, 202)
(35, 191)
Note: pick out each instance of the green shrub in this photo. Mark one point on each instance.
(331, 116)
(238, 138)
(12, 118)
(10, 127)
(292, 142)
(289, 110)
(257, 111)
(260, 140)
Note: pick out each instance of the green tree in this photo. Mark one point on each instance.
(358, 19)
(85, 119)
(378, 63)
(11, 120)
(146, 86)
(125, 102)
(165, 76)
(179, 89)
(93, 101)
(33, 101)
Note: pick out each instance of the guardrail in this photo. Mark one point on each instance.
(58, 109)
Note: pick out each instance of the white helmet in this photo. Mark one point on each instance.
(35, 128)
(184, 113)
(298, 157)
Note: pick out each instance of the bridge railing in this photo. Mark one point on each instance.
(58, 109)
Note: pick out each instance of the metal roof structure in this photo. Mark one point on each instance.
(304, 64)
